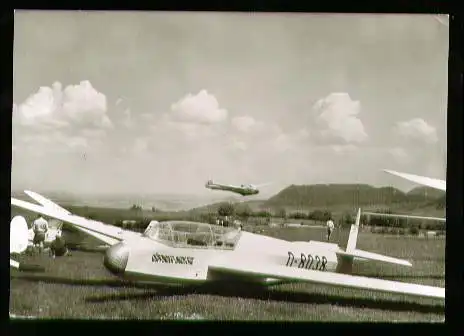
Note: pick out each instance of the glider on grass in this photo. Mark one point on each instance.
(190, 252)
(423, 180)
(54, 227)
(70, 237)
(243, 189)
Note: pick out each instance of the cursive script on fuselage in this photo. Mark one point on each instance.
(170, 259)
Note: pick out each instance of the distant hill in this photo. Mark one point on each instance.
(341, 197)
(426, 192)
(348, 195)
(332, 197)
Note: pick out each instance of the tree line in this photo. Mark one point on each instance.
(264, 217)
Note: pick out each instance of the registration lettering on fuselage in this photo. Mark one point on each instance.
(307, 261)
(170, 259)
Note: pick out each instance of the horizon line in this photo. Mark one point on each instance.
(132, 193)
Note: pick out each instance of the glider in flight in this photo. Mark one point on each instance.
(243, 189)
(191, 252)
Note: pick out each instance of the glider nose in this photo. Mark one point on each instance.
(116, 258)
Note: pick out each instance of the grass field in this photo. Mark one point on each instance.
(78, 286)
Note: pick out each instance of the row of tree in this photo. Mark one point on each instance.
(393, 222)
(228, 209)
(264, 217)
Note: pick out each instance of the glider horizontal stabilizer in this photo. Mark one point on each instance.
(374, 257)
(439, 219)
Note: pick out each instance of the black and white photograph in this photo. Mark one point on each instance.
(219, 166)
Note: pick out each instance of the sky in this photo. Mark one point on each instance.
(160, 102)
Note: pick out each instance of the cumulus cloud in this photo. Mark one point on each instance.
(202, 108)
(54, 119)
(416, 129)
(52, 107)
(246, 124)
(336, 119)
(197, 120)
(192, 119)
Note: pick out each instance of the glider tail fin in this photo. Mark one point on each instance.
(346, 260)
(347, 257)
(353, 237)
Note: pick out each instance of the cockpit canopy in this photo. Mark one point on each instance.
(193, 234)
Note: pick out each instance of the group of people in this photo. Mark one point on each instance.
(58, 245)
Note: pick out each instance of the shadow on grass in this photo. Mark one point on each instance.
(80, 282)
(161, 291)
(429, 259)
(404, 276)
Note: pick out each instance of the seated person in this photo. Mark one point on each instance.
(199, 239)
(196, 241)
(58, 246)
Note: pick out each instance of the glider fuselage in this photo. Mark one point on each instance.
(244, 191)
(175, 261)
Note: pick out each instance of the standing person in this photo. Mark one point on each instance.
(40, 228)
(330, 228)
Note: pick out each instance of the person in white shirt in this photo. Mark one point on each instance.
(40, 228)
(330, 228)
